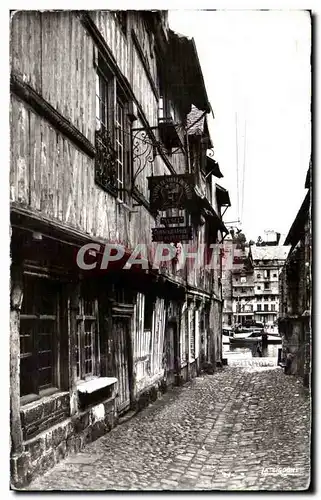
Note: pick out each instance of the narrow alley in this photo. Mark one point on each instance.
(160, 290)
(243, 428)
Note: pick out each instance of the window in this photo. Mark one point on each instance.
(259, 276)
(184, 336)
(192, 332)
(259, 307)
(38, 335)
(259, 288)
(113, 134)
(275, 275)
(273, 307)
(102, 105)
(266, 286)
(87, 337)
(267, 274)
(266, 307)
(259, 298)
(243, 279)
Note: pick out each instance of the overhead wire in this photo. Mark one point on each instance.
(244, 166)
(237, 167)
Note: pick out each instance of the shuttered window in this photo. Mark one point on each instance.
(184, 336)
(38, 335)
(192, 333)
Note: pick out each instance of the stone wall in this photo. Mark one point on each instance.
(53, 444)
(55, 437)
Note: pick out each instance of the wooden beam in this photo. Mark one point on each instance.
(16, 297)
(74, 295)
(49, 113)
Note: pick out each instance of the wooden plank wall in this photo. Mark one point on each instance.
(118, 43)
(197, 333)
(158, 337)
(184, 333)
(148, 346)
(52, 52)
(141, 344)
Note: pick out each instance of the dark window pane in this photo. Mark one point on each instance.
(27, 367)
(45, 359)
(26, 335)
(27, 306)
(47, 303)
(45, 342)
(45, 377)
(89, 307)
(88, 367)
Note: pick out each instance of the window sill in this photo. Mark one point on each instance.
(91, 386)
(43, 396)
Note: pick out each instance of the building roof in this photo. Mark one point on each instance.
(186, 72)
(195, 121)
(196, 124)
(223, 197)
(297, 228)
(276, 252)
(213, 167)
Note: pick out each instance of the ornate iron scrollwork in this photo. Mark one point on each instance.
(106, 162)
(146, 148)
(143, 151)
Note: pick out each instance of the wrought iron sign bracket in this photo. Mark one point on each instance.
(146, 148)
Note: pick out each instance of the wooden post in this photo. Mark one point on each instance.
(74, 295)
(16, 296)
(130, 357)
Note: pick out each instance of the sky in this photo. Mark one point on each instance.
(256, 67)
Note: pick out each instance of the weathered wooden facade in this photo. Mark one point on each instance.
(296, 293)
(100, 101)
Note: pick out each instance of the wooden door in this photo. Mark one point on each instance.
(170, 351)
(122, 354)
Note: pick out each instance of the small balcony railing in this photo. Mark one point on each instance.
(106, 162)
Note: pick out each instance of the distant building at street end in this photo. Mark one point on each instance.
(271, 238)
(267, 264)
(295, 292)
(251, 287)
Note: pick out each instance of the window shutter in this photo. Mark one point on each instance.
(192, 333)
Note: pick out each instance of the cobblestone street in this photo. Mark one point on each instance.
(243, 428)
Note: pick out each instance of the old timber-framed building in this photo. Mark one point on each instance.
(100, 101)
(296, 292)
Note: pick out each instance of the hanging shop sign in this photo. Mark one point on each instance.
(172, 234)
(171, 191)
(171, 220)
